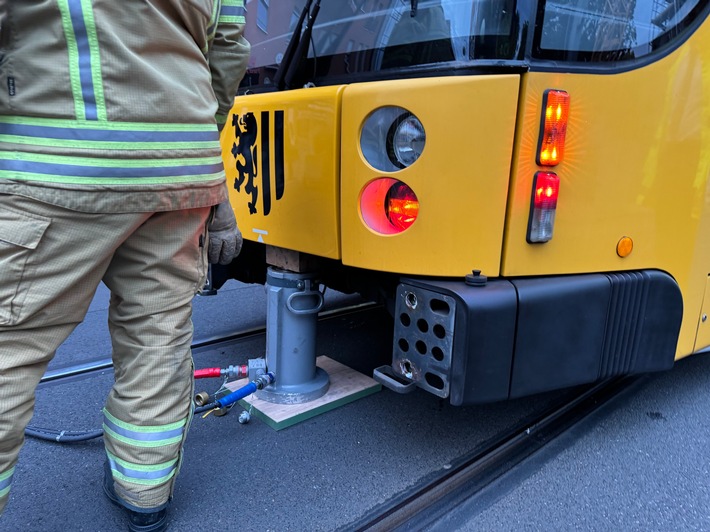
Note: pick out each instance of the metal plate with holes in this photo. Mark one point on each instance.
(423, 338)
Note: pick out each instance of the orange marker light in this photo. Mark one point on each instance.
(553, 127)
(624, 246)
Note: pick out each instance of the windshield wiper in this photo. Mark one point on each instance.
(291, 47)
(297, 50)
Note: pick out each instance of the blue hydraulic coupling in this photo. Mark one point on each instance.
(259, 383)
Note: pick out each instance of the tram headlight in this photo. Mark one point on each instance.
(392, 138)
(406, 142)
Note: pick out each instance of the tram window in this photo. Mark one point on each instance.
(262, 15)
(365, 36)
(448, 30)
(492, 22)
(600, 30)
(425, 38)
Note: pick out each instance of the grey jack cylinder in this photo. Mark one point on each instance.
(292, 305)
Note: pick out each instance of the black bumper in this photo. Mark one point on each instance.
(512, 338)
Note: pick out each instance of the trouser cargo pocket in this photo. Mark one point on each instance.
(20, 235)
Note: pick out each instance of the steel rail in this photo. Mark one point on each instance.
(428, 502)
(102, 364)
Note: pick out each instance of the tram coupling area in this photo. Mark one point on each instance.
(389, 461)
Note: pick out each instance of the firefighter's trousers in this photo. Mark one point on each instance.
(51, 262)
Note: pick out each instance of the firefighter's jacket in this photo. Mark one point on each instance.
(113, 105)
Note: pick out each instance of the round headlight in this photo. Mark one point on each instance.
(392, 138)
(406, 141)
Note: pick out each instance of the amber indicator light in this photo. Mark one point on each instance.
(624, 247)
(553, 127)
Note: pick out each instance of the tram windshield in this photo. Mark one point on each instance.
(364, 36)
(375, 39)
(603, 31)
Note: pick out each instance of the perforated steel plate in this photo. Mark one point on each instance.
(423, 338)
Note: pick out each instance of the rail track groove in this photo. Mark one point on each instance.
(419, 508)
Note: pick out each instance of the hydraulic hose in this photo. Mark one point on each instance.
(232, 372)
(76, 436)
(207, 373)
(63, 436)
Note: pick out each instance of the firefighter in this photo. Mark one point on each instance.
(111, 170)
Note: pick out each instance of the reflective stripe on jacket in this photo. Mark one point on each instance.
(120, 94)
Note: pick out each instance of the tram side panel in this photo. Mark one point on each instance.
(282, 160)
(636, 165)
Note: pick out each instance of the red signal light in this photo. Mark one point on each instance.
(553, 127)
(388, 206)
(401, 205)
(546, 188)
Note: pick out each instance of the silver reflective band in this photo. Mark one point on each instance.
(144, 434)
(6, 481)
(157, 474)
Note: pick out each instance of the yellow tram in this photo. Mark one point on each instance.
(524, 184)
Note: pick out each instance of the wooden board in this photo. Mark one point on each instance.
(346, 386)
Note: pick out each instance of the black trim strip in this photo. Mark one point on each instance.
(265, 164)
(279, 153)
(482, 67)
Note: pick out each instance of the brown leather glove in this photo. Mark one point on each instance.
(225, 239)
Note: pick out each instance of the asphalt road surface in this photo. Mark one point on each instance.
(642, 463)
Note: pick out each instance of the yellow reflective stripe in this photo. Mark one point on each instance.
(6, 481)
(106, 126)
(143, 436)
(215, 11)
(95, 69)
(73, 52)
(147, 475)
(212, 27)
(170, 179)
(97, 162)
(232, 12)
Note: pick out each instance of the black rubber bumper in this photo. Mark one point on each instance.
(512, 338)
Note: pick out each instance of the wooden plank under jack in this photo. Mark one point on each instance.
(346, 386)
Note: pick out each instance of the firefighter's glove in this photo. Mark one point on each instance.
(225, 238)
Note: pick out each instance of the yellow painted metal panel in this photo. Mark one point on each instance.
(461, 178)
(637, 159)
(305, 216)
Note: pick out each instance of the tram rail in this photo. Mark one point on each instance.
(424, 505)
(99, 365)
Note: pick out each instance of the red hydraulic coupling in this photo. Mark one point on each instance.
(232, 372)
(206, 373)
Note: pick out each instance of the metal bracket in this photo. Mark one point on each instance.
(389, 379)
